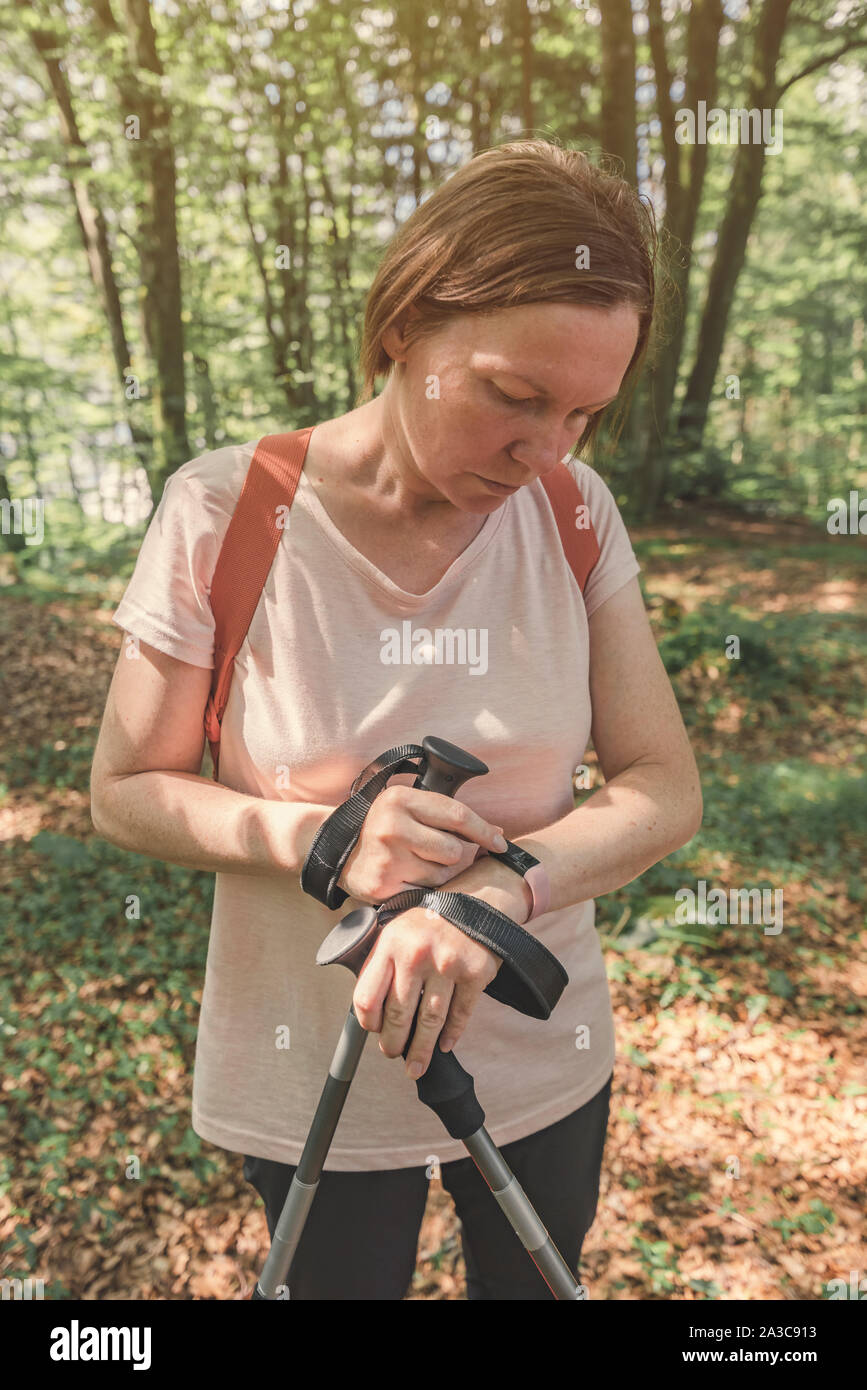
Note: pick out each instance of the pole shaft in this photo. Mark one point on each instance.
(299, 1199)
(522, 1216)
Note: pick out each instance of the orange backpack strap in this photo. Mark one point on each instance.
(245, 558)
(580, 542)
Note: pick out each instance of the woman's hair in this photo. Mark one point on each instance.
(505, 230)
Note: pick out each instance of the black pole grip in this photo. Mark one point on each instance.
(446, 767)
(445, 1087)
(448, 1090)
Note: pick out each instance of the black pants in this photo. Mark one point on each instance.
(361, 1236)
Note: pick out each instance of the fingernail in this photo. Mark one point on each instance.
(500, 844)
(445, 1045)
(415, 1070)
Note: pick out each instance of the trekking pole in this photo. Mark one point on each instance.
(448, 1089)
(445, 770)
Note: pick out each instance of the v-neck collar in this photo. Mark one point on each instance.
(373, 575)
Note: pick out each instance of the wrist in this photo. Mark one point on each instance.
(294, 826)
(496, 884)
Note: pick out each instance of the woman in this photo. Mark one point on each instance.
(508, 313)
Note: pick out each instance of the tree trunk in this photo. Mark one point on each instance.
(745, 191)
(304, 320)
(10, 539)
(348, 309)
(341, 288)
(471, 30)
(92, 226)
(617, 132)
(205, 393)
(411, 23)
(153, 160)
(522, 31)
(682, 202)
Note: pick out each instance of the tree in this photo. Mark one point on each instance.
(618, 85)
(139, 75)
(91, 221)
(684, 183)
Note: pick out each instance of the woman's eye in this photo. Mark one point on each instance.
(528, 400)
(513, 400)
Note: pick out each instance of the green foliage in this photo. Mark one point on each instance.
(659, 1260)
(793, 336)
(782, 658)
(98, 1006)
(50, 766)
(814, 1222)
(782, 813)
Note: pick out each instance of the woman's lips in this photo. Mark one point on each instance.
(500, 488)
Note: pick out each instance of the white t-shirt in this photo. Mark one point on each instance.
(313, 700)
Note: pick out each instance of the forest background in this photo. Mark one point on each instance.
(193, 201)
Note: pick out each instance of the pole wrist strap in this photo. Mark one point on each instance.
(530, 979)
(336, 838)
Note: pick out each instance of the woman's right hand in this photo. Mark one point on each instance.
(414, 838)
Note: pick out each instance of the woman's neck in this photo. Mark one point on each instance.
(359, 456)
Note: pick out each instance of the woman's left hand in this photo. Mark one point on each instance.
(421, 951)
(421, 955)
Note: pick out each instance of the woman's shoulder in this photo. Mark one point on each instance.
(591, 484)
(214, 481)
(617, 562)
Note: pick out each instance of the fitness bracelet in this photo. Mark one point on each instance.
(534, 874)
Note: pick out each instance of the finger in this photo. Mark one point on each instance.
(430, 875)
(463, 1001)
(435, 862)
(434, 850)
(432, 1012)
(398, 1009)
(371, 990)
(431, 809)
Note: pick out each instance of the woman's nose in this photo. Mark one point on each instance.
(548, 441)
(542, 455)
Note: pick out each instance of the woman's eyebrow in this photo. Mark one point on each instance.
(519, 376)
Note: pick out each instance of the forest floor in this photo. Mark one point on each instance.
(735, 1159)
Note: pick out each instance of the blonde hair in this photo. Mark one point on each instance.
(503, 231)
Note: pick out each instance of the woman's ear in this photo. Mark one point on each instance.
(394, 337)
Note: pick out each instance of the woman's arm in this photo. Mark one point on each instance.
(146, 791)
(651, 802)
(147, 795)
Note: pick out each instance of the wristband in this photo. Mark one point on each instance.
(540, 888)
(533, 873)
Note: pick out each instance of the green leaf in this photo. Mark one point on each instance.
(62, 850)
(780, 984)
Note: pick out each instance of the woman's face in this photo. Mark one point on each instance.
(501, 398)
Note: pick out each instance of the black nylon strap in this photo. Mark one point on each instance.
(530, 979)
(386, 761)
(336, 838)
(338, 835)
(521, 860)
(516, 858)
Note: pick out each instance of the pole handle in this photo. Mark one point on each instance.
(446, 767)
(448, 1089)
(443, 768)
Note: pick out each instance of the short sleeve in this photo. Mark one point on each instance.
(167, 600)
(617, 562)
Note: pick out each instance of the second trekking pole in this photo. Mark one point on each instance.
(445, 770)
